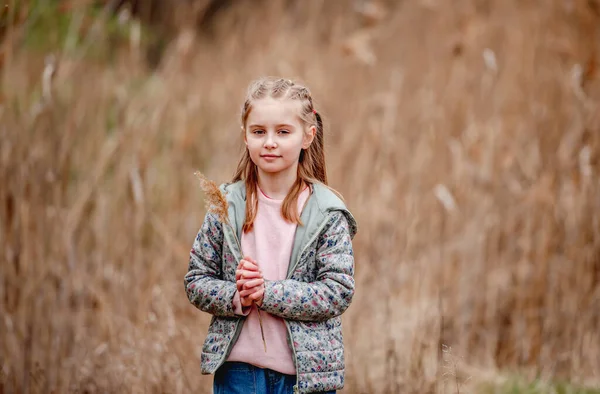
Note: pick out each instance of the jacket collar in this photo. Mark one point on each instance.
(322, 200)
(320, 204)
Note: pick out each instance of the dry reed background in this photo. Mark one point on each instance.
(464, 135)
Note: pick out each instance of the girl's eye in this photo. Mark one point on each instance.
(283, 131)
(258, 131)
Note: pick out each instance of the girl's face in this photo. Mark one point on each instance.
(275, 135)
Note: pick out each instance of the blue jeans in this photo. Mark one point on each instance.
(242, 378)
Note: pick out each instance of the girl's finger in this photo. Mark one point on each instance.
(245, 274)
(246, 293)
(250, 266)
(238, 274)
(240, 284)
(246, 260)
(257, 295)
(243, 262)
(253, 283)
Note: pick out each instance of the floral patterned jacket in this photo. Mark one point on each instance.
(318, 289)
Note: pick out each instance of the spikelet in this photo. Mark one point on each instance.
(215, 200)
(216, 203)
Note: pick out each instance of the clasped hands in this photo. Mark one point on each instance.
(249, 282)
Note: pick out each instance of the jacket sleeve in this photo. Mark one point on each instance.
(332, 291)
(203, 282)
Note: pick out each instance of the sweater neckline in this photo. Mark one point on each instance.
(262, 196)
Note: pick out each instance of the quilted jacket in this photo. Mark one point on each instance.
(318, 288)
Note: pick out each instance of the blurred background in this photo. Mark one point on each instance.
(464, 136)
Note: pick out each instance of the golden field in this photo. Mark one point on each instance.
(463, 135)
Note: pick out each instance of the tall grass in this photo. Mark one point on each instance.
(465, 138)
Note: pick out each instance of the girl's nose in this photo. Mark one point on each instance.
(270, 142)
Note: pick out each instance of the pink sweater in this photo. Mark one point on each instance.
(270, 244)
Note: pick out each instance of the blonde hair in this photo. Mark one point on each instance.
(311, 165)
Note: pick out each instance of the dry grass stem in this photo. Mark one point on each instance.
(217, 203)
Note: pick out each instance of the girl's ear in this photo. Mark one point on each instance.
(309, 136)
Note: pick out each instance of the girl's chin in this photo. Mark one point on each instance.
(272, 170)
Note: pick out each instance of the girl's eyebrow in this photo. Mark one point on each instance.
(279, 125)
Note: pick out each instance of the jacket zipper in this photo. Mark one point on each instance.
(288, 277)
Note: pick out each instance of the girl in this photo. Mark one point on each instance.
(298, 265)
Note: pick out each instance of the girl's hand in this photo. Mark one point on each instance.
(247, 269)
(249, 282)
(254, 295)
